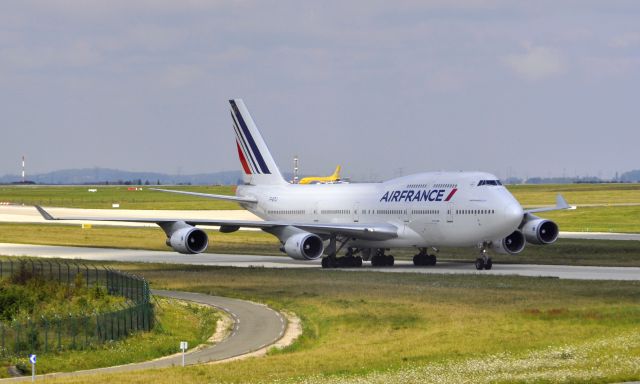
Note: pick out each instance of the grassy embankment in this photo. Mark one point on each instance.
(391, 328)
(176, 322)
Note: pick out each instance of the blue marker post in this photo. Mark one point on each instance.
(32, 359)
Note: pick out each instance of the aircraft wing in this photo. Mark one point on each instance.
(210, 196)
(561, 203)
(382, 231)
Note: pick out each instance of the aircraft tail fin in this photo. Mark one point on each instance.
(336, 174)
(256, 160)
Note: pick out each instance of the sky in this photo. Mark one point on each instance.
(383, 88)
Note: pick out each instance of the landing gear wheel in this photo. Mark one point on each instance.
(377, 261)
(480, 264)
(488, 264)
(389, 261)
(329, 262)
(422, 259)
(432, 260)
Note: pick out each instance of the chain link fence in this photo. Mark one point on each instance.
(81, 331)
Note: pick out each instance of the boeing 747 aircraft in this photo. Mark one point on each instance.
(425, 211)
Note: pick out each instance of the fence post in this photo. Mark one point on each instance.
(45, 321)
(74, 328)
(2, 336)
(17, 327)
(58, 320)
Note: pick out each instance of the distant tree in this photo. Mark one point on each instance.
(158, 182)
(147, 182)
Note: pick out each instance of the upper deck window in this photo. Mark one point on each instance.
(489, 182)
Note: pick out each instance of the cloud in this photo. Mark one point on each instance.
(537, 63)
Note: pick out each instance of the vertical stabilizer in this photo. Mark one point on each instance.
(257, 163)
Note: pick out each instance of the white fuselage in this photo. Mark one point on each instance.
(429, 209)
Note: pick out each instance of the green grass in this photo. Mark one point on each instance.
(397, 328)
(564, 251)
(598, 219)
(176, 322)
(535, 195)
(80, 197)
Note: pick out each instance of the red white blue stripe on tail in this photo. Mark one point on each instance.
(255, 158)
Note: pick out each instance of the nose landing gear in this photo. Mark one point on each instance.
(484, 261)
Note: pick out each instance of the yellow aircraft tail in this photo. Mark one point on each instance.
(325, 179)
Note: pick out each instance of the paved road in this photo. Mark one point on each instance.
(255, 327)
(105, 254)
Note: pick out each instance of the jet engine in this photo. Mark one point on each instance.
(540, 231)
(188, 240)
(512, 244)
(304, 246)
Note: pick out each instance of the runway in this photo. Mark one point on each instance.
(109, 254)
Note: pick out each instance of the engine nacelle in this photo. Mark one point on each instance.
(540, 231)
(511, 245)
(304, 246)
(188, 240)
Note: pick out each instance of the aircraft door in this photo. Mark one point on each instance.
(356, 213)
(450, 210)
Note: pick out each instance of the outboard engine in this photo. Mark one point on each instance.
(188, 240)
(539, 231)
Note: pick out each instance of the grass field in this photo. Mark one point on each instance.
(564, 251)
(80, 197)
(403, 328)
(177, 322)
(606, 194)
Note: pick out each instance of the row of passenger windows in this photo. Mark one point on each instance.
(418, 186)
(475, 211)
(391, 211)
(335, 212)
(425, 212)
(287, 212)
(445, 186)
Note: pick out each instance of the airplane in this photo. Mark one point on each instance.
(424, 211)
(318, 179)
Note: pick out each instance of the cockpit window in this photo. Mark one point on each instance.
(489, 182)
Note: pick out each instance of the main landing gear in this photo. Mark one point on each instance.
(382, 260)
(346, 261)
(349, 260)
(423, 258)
(484, 261)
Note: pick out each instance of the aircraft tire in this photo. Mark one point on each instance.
(357, 262)
(417, 260)
(377, 261)
(488, 264)
(479, 264)
(389, 261)
(432, 260)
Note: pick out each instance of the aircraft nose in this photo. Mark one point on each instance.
(513, 214)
